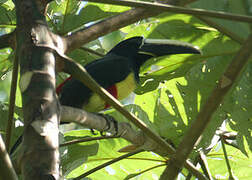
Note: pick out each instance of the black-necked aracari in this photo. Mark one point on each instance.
(118, 71)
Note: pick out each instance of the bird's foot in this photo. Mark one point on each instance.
(93, 131)
(109, 119)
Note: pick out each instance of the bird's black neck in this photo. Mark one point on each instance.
(141, 59)
(138, 61)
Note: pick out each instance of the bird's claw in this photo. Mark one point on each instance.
(109, 119)
(93, 132)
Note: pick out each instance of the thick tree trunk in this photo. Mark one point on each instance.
(40, 154)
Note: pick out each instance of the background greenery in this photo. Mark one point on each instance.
(172, 91)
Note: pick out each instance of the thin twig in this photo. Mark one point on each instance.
(225, 84)
(12, 102)
(226, 159)
(92, 51)
(177, 9)
(86, 139)
(203, 162)
(143, 171)
(108, 163)
(195, 162)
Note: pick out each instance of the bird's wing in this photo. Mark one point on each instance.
(109, 70)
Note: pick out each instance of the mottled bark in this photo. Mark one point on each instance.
(39, 155)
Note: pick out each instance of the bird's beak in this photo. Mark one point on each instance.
(161, 47)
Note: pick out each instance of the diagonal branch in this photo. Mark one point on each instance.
(142, 11)
(225, 84)
(106, 26)
(176, 9)
(124, 129)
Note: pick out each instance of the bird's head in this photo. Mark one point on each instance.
(140, 49)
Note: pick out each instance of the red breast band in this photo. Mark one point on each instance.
(59, 87)
(113, 91)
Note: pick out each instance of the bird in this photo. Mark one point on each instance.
(118, 71)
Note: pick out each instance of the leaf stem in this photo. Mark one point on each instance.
(226, 158)
(92, 51)
(86, 139)
(107, 164)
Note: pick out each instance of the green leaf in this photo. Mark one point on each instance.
(111, 40)
(16, 131)
(72, 15)
(7, 12)
(231, 6)
(6, 59)
(173, 89)
(77, 154)
(240, 164)
(107, 150)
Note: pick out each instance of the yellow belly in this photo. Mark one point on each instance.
(124, 88)
(95, 104)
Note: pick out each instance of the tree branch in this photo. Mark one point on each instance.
(6, 168)
(225, 84)
(137, 138)
(101, 28)
(142, 11)
(40, 158)
(94, 121)
(177, 9)
(106, 26)
(204, 164)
